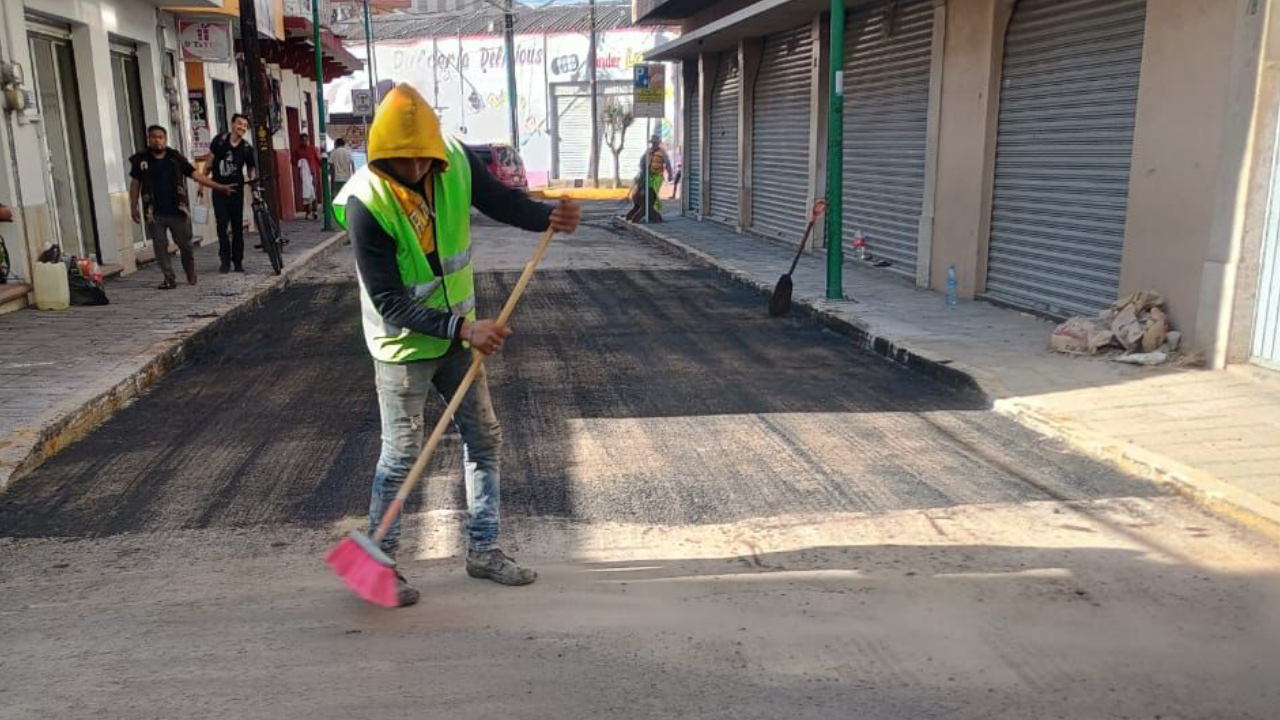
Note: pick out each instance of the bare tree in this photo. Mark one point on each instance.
(617, 117)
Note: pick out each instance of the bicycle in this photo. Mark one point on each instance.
(268, 230)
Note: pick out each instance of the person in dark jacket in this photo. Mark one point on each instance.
(160, 178)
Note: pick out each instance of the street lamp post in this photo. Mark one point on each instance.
(325, 190)
(368, 53)
(835, 157)
(259, 101)
(509, 42)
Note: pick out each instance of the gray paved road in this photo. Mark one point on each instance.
(736, 517)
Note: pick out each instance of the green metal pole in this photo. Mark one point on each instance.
(326, 193)
(835, 157)
(368, 52)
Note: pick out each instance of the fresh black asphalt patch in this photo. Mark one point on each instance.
(661, 397)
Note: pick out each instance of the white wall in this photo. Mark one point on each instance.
(92, 26)
(468, 85)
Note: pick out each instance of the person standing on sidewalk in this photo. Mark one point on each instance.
(231, 159)
(342, 163)
(408, 213)
(308, 162)
(159, 176)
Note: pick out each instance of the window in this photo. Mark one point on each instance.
(221, 112)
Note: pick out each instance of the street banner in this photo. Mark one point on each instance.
(206, 40)
(201, 134)
(649, 90)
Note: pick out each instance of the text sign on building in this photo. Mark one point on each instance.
(361, 101)
(201, 133)
(206, 40)
(649, 90)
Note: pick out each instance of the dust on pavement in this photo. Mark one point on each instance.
(734, 517)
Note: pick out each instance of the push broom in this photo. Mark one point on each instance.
(780, 301)
(358, 559)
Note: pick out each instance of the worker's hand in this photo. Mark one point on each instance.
(565, 218)
(137, 218)
(486, 336)
(225, 189)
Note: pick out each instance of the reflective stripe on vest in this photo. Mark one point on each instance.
(454, 292)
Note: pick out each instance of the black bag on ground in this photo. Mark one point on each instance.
(85, 290)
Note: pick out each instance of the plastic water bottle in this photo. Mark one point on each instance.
(860, 246)
(953, 296)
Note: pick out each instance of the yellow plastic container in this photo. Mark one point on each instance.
(52, 291)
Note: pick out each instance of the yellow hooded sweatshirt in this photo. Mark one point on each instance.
(407, 127)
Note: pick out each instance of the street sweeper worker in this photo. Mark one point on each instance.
(408, 213)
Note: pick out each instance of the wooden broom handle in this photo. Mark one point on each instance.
(477, 360)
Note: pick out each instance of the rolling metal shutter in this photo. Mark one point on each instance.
(573, 134)
(726, 174)
(780, 135)
(693, 152)
(887, 62)
(1068, 96)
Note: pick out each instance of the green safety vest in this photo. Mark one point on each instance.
(455, 292)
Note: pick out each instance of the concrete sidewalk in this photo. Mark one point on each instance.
(1213, 435)
(61, 373)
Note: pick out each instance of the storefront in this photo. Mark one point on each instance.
(1068, 98)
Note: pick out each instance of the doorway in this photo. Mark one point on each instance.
(295, 141)
(221, 108)
(130, 116)
(64, 144)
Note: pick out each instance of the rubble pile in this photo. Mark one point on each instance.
(1135, 329)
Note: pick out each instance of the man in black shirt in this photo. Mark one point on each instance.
(159, 176)
(231, 161)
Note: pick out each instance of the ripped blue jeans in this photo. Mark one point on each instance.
(402, 398)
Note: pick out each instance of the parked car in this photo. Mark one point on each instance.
(504, 162)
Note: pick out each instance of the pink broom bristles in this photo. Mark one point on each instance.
(365, 569)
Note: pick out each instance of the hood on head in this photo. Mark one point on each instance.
(405, 126)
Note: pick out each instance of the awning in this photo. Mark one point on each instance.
(755, 20)
(297, 52)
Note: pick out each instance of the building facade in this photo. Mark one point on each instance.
(89, 78)
(1056, 153)
(458, 62)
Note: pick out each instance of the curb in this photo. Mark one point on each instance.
(863, 334)
(1204, 489)
(30, 447)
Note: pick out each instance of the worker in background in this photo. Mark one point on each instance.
(654, 164)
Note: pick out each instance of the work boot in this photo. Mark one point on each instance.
(406, 594)
(225, 267)
(167, 284)
(239, 268)
(191, 276)
(499, 567)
